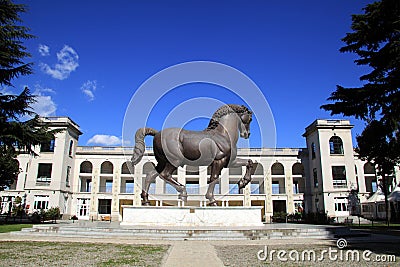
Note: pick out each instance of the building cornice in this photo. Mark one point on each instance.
(327, 124)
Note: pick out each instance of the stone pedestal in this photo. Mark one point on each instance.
(192, 216)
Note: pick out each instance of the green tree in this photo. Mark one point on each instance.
(11, 43)
(16, 136)
(376, 41)
(377, 144)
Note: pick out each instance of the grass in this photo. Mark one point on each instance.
(380, 228)
(13, 227)
(376, 225)
(80, 254)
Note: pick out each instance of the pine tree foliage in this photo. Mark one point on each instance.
(12, 50)
(16, 136)
(376, 41)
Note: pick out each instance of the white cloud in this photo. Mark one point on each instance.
(126, 142)
(67, 62)
(88, 89)
(44, 50)
(5, 91)
(39, 90)
(44, 105)
(103, 139)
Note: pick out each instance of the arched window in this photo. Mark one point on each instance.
(298, 181)
(107, 167)
(298, 169)
(126, 170)
(336, 145)
(86, 167)
(147, 167)
(71, 146)
(259, 169)
(277, 169)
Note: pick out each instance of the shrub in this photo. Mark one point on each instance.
(279, 216)
(53, 213)
(50, 214)
(317, 218)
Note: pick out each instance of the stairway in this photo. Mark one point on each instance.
(269, 231)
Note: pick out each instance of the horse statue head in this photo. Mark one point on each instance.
(243, 114)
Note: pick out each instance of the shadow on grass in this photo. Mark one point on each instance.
(378, 240)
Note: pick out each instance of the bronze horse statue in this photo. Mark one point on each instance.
(215, 146)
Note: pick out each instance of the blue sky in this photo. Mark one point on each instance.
(92, 56)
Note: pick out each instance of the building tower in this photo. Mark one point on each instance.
(46, 180)
(332, 166)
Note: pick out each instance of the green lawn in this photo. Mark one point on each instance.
(13, 227)
(30, 253)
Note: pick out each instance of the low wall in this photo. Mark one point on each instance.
(192, 216)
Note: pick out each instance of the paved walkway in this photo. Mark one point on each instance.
(193, 253)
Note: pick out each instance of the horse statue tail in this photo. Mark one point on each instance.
(139, 148)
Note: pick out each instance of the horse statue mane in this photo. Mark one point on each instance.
(225, 110)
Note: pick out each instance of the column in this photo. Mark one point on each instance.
(93, 196)
(203, 180)
(268, 193)
(289, 189)
(115, 191)
(181, 175)
(137, 200)
(160, 184)
(246, 191)
(224, 181)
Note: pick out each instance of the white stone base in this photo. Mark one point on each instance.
(192, 216)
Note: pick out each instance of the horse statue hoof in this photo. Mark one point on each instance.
(213, 203)
(241, 184)
(183, 197)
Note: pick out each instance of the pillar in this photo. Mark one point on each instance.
(93, 196)
(115, 192)
(137, 200)
(289, 189)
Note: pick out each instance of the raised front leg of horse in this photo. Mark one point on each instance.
(247, 176)
(249, 169)
(216, 168)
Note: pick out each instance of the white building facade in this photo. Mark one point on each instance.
(93, 182)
